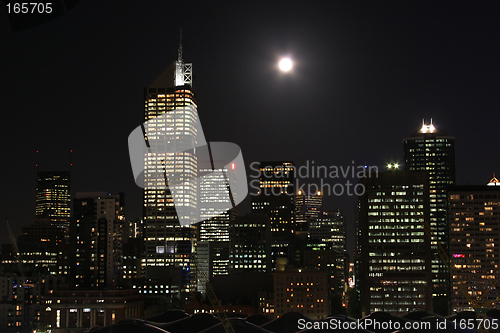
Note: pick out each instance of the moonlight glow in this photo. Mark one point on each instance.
(285, 64)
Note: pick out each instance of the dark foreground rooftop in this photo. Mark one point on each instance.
(177, 321)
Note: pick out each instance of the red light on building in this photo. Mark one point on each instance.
(232, 166)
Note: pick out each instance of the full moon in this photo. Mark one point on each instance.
(285, 64)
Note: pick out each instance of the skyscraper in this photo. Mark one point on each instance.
(95, 240)
(474, 217)
(53, 197)
(214, 189)
(433, 151)
(169, 246)
(308, 206)
(250, 244)
(275, 196)
(212, 247)
(395, 254)
(329, 229)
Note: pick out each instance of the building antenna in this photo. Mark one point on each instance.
(70, 159)
(36, 160)
(179, 51)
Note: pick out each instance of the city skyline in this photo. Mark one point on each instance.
(372, 88)
(364, 167)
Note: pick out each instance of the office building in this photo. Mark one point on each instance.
(474, 219)
(96, 240)
(322, 257)
(302, 291)
(275, 197)
(169, 246)
(53, 197)
(433, 151)
(50, 239)
(308, 205)
(329, 228)
(250, 240)
(394, 274)
(214, 190)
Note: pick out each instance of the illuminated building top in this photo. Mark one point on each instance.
(427, 128)
(178, 74)
(494, 181)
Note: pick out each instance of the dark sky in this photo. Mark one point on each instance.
(366, 73)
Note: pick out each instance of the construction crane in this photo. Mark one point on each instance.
(219, 311)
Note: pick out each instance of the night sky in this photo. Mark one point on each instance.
(366, 73)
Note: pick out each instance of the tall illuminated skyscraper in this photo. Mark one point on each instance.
(212, 248)
(394, 251)
(214, 189)
(169, 246)
(53, 197)
(433, 151)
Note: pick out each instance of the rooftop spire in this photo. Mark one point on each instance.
(179, 51)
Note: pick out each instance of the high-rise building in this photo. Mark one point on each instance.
(96, 240)
(329, 228)
(250, 244)
(474, 217)
(433, 151)
(322, 257)
(44, 234)
(308, 205)
(212, 249)
(308, 208)
(53, 197)
(169, 246)
(275, 197)
(213, 190)
(395, 253)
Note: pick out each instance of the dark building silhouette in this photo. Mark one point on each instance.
(96, 240)
(51, 238)
(250, 249)
(329, 229)
(275, 197)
